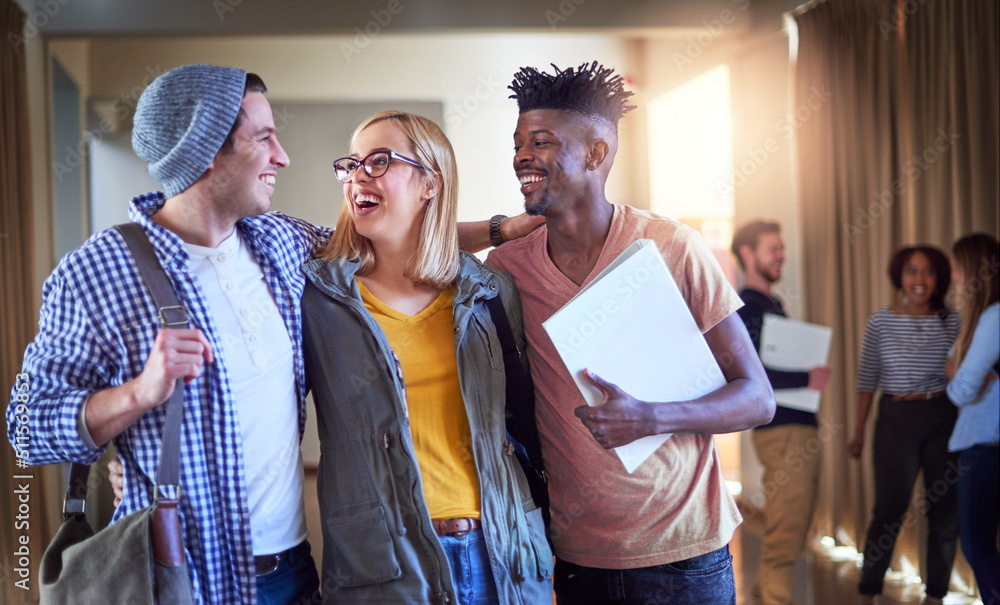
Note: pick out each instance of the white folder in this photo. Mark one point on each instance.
(794, 346)
(632, 327)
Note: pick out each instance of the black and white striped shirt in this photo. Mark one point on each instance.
(906, 353)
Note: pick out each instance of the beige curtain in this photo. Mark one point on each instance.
(17, 318)
(904, 152)
(950, 98)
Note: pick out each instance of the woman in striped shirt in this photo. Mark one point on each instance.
(903, 355)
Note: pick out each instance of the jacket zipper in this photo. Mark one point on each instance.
(386, 443)
(358, 309)
(515, 537)
(389, 357)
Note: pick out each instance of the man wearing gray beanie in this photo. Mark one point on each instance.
(101, 366)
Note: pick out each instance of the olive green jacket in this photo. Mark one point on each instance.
(378, 542)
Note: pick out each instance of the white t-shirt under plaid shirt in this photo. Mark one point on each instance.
(260, 358)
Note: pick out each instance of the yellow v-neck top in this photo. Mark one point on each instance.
(439, 424)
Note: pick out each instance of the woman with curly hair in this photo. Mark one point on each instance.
(903, 355)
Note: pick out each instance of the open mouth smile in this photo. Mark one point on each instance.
(530, 181)
(366, 200)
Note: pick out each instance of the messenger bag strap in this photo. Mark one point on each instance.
(171, 315)
(76, 490)
(520, 392)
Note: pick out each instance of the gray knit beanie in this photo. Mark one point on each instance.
(183, 118)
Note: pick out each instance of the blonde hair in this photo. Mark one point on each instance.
(976, 257)
(436, 260)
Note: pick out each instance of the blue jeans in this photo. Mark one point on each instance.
(294, 582)
(979, 516)
(470, 568)
(699, 580)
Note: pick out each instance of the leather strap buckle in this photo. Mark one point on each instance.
(455, 528)
(173, 316)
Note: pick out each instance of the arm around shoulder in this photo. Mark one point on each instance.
(475, 235)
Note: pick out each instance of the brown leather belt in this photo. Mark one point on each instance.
(456, 528)
(917, 396)
(265, 564)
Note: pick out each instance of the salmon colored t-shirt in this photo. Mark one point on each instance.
(439, 424)
(675, 505)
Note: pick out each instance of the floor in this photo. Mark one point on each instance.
(820, 579)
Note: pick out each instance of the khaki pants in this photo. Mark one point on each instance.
(790, 455)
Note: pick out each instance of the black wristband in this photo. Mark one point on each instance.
(496, 238)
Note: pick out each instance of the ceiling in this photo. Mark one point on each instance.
(646, 18)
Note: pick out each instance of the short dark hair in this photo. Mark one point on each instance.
(749, 235)
(942, 271)
(590, 90)
(253, 84)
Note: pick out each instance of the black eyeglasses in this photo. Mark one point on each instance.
(375, 164)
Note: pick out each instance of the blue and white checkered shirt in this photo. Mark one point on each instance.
(96, 331)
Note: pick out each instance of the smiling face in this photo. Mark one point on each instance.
(918, 279)
(768, 257)
(550, 157)
(242, 179)
(389, 208)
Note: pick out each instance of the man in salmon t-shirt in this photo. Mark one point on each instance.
(661, 532)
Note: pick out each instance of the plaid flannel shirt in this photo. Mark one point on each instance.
(96, 331)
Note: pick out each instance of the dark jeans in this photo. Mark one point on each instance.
(979, 516)
(911, 436)
(699, 580)
(294, 582)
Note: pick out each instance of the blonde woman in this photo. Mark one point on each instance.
(421, 497)
(974, 389)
